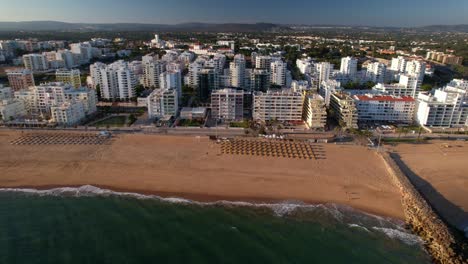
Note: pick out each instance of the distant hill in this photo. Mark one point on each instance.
(446, 28)
(86, 27)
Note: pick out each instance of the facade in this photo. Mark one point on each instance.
(227, 104)
(171, 80)
(284, 105)
(20, 79)
(162, 103)
(324, 70)
(208, 80)
(152, 71)
(344, 109)
(278, 73)
(72, 77)
(315, 111)
(237, 71)
(11, 108)
(327, 88)
(447, 107)
(398, 64)
(385, 108)
(116, 80)
(262, 62)
(68, 114)
(444, 58)
(39, 100)
(376, 72)
(260, 80)
(349, 67)
(190, 113)
(35, 62)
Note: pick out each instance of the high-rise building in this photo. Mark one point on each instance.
(344, 109)
(376, 72)
(35, 62)
(208, 80)
(20, 79)
(152, 71)
(171, 80)
(116, 80)
(263, 62)
(260, 80)
(398, 64)
(278, 73)
(84, 50)
(446, 107)
(38, 100)
(68, 113)
(284, 105)
(315, 111)
(349, 67)
(163, 103)
(237, 71)
(227, 104)
(324, 70)
(385, 108)
(72, 77)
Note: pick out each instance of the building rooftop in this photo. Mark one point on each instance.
(381, 98)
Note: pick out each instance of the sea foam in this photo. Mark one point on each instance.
(341, 213)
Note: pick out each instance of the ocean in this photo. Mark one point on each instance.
(92, 225)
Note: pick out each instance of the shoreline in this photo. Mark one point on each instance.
(213, 199)
(196, 168)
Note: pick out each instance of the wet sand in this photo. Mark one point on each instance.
(194, 168)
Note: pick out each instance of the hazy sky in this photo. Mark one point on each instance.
(350, 12)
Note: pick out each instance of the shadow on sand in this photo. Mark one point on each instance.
(452, 214)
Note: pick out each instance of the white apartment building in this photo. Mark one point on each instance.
(385, 108)
(194, 69)
(38, 100)
(186, 57)
(305, 66)
(72, 77)
(227, 104)
(327, 88)
(324, 70)
(284, 105)
(409, 85)
(84, 50)
(376, 72)
(416, 68)
(315, 111)
(162, 103)
(35, 62)
(116, 80)
(344, 109)
(68, 114)
(446, 107)
(398, 64)
(278, 73)
(237, 71)
(152, 71)
(349, 67)
(171, 80)
(11, 108)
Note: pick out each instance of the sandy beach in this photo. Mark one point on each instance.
(439, 169)
(194, 168)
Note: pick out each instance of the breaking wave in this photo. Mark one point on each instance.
(343, 214)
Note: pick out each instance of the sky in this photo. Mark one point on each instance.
(312, 12)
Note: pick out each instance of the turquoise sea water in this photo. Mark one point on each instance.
(89, 225)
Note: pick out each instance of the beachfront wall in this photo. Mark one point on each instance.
(440, 242)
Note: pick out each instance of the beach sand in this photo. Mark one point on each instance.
(439, 169)
(194, 168)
